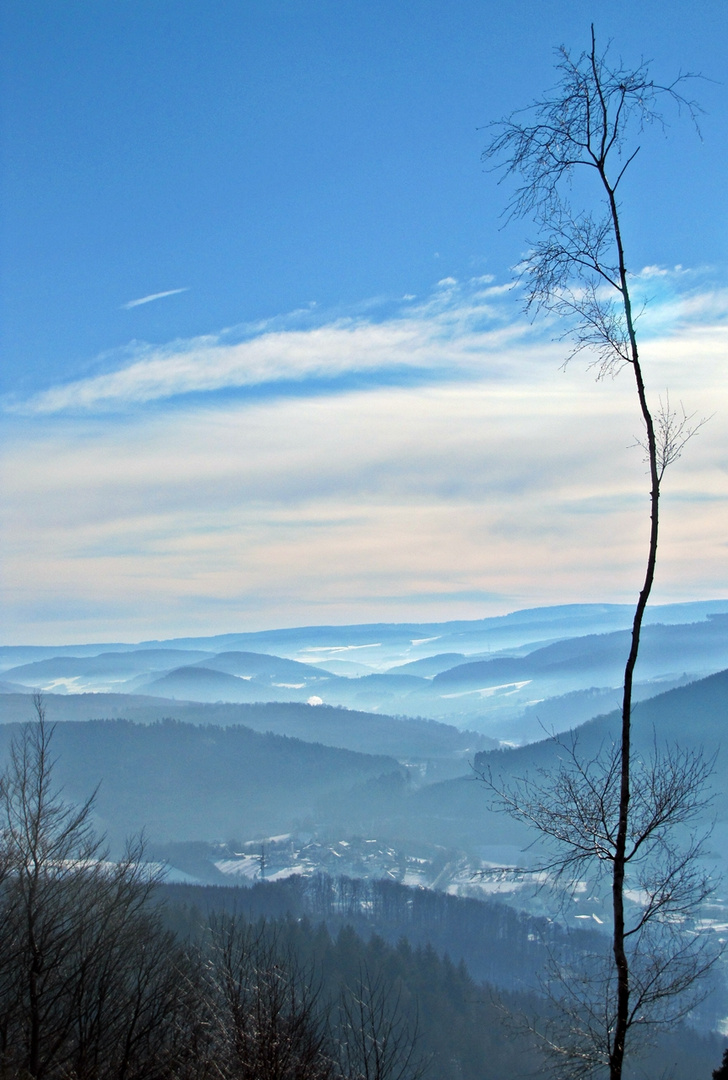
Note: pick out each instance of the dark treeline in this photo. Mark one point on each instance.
(100, 979)
(469, 1026)
(497, 943)
(456, 1027)
(96, 985)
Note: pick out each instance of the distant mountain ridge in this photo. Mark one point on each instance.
(564, 620)
(692, 715)
(205, 781)
(603, 655)
(487, 675)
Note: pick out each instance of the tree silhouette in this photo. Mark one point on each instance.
(722, 1072)
(594, 813)
(88, 976)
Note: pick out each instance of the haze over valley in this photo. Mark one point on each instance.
(243, 737)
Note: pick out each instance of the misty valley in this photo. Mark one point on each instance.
(337, 782)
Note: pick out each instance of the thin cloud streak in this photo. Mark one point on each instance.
(459, 332)
(513, 481)
(448, 334)
(153, 296)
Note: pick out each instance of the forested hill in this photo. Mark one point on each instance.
(185, 781)
(694, 717)
(498, 944)
(412, 940)
(348, 729)
(691, 716)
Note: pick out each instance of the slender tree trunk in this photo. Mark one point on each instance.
(576, 262)
(616, 1058)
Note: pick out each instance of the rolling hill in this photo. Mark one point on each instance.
(506, 677)
(178, 781)
(437, 749)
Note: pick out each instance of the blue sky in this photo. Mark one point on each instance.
(261, 361)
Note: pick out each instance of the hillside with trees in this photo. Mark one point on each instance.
(107, 974)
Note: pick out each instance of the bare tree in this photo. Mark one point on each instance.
(269, 1019)
(92, 987)
(376, 1039)
(266, 1018)
(577, 269)
(87, 974)
(575, 808)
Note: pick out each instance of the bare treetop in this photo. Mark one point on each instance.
(592, 118)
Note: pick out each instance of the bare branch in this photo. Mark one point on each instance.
(575, 809)
(88, 980)
(674, 428)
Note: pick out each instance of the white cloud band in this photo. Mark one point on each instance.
(512, 479)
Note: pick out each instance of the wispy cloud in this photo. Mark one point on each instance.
(324, 509)
(461, 331)
(494, 474)
(454, 332)
(152, 296)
